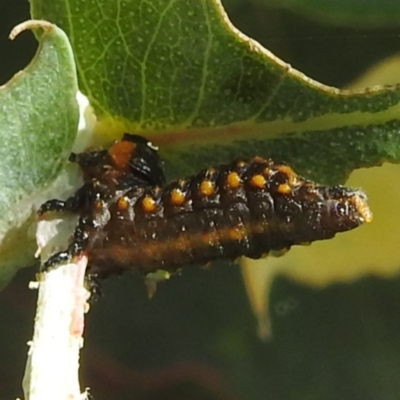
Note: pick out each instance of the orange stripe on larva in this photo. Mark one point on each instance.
(237, 233)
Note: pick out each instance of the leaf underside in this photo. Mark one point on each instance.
(181, 74)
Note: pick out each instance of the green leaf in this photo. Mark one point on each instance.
(38, 120)
(179, 73)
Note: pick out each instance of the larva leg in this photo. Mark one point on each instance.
(88, 159)
(72, 204)
(77, 200)
(77, 246)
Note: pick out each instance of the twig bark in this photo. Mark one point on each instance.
(53, 360)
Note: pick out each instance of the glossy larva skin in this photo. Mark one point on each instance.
(133, 220)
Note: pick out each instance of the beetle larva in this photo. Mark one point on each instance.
(131, 219)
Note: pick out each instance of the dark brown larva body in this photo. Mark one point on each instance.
(245, 208)
(242, 209)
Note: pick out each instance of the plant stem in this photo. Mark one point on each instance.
(52, 367)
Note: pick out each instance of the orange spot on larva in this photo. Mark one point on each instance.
(177, 197)
(258, 181)
(98, 205)
(233, 180)
(284, 188)
(148, 204)
(285, 169)
(206, 188)
(122, 203)
(267, 171)
(121, 153)
(288, 171)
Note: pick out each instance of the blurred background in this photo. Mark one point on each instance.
(197, 338)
